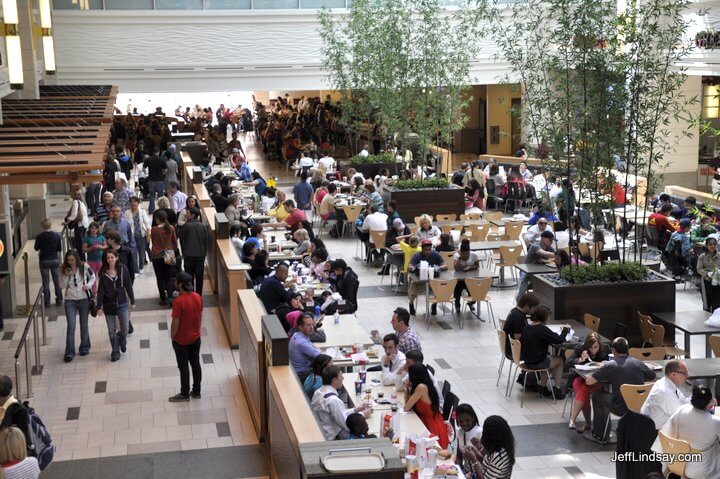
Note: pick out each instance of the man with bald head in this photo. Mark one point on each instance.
(274, 289)
(666, 395)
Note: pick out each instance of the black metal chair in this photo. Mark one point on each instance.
(450, 404)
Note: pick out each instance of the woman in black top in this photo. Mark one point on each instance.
(113, 294)
(536, 339)
(591, 350)
(260, 268)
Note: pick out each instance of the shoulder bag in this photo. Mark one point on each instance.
(88, 293)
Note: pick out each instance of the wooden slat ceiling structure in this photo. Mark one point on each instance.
(58, 138)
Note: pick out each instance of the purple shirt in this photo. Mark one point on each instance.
(302, 352)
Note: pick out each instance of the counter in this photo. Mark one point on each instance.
(231, 272)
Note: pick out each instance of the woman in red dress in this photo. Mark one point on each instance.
(422, 397)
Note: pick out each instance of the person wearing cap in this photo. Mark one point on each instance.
(434, 260)
(538, 253)
(678, 251)
(185, 334)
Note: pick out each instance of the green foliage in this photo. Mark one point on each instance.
(430, 183)
(364, 160)
(605, 273)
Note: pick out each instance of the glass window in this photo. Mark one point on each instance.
(271, 4)
(69, 5)
(228, 4)
(128, 4)
(322, 3)
(178, 4)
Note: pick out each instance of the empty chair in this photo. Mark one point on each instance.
(479, 289)
(674, 447)
(647, 354)
(450, 403)
(502, 340)
(443, 292)
(470, 217)
(635, 395)
(351, 213)
(657, 339)
(451, 217)
(477, 232)
(513, 230)
(715, 345)
(591, 322)
(509, 258)
(377, 242)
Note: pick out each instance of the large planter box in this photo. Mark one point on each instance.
(370, 170)
(611, 302)
(412, 203)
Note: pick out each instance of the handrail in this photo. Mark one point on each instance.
(28, 308)
(65, 240)
(38, 307)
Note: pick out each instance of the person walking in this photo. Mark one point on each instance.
(93, 246)
(114, 292)
(140, 222)
(78, 220)
(77, 281)
(185, 335)
(157, 166)
(49, 244)
(163, 253)
(194, 238)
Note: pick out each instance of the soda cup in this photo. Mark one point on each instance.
(358, 387)
(362, 375)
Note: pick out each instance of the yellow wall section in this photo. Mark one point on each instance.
(499, 102)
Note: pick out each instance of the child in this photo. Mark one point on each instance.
(358, 426)
(468, 428)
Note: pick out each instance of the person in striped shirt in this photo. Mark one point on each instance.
(15, 462)
(493, 456)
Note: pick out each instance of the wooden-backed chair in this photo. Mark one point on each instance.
(715, 345)
(444, 292)
(647, 354)
(644, 321)
(352, 212)
(513, 229)
(377, 242)
(502, 340)
(635, 395)
(509, 258)
(657, 339)
(477, 232)
(448, 257)
(451, 217)
(479, 289)
(520, 366)
(450, 228)
(674, 447)
(470, 217)
(591, 322)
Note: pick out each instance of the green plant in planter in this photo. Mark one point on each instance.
(364, 160)
(605, 273)
(430, 183)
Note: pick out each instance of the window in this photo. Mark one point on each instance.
(77, 4)
(128, 4)
(228, 4)
(178, 4)
(711, 101)
(273, 4)
(322, 3)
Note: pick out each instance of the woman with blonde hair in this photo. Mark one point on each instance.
(426, 229)
(302, 238)
(15, 462)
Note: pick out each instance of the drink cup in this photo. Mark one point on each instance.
(432, 458)
(358, 387)
(362, 375)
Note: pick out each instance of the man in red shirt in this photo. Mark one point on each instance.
(294, 218)
(185, 334)
(662, 224)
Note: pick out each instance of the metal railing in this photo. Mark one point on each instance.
(38, 308)
(66, 240)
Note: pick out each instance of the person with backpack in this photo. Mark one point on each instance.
(14, 414)
(114, 291)
(77, 282)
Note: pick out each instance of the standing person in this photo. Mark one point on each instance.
(303, 193)
(422, 397)
(537, 253)
(121, 225)
(163, 245)
(708, 266)
(185, 335)
(49, 244)
(178, 199)
(93, 246)
(102, 209)
(194, 238)
(77, 281)
(122, 194)
(171, 170)
(114, 291)
(156, 166)
(140, 222)
(78, 219)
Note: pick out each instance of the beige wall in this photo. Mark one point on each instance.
(683, 158)
(478, 93)
(499, 102)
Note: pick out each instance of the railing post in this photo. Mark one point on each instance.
(28, 306)
(37, 370)
(27, 368)
(44, 319)
(18, 382)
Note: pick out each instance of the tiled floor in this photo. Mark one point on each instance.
(96, 409)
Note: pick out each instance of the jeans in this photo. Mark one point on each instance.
(139, 253)
(164, 277)
(188, 354)
(118, 336)
(195, 267)
(523, 285)
(155, 188)
(50, 267)
(78, 240)
(72, 308)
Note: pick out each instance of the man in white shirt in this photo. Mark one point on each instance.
(524, 172)
(178, 199)
(540, 183)
(533, 233)
(364, 151)
(491, 162)
(375, 221)
(327, 161)
(393, 361)
(665, 396)
(330, 409)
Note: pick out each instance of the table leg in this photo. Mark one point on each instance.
(708, 351)
(687, 343)
(427, 303)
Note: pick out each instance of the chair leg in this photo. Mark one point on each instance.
(606, 433)
(552, 388)
(491, 312)
(522, 396)
(510, 385)
(502, 363)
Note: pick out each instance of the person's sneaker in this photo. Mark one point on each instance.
(179, 398)
(123, 348)
(433, 309)
(412, 309)
(114, 358)
(137, 274)
(69, 358)
(58, 302)
(571, 424)
(558, 393)
(195, 395)
(544, 391)
(471, 306)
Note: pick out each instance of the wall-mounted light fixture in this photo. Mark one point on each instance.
(12, 43)
(47, 39)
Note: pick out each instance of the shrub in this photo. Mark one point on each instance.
(430, 183)
(381, 158)
(605, 273)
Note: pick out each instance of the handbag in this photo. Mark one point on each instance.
(71, 224)
(169, 257)
(93, 307)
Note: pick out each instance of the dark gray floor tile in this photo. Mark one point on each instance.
(575, 472)
(554, 438)
(100, 386)
(442, 363)
(72, 414)
(144, 344)
(207, 359)
(216, 463)
(201, 416)
(444, 325)
(122, 467)
(8, 335)
(223, 429)
(162, 326)
(78, 469)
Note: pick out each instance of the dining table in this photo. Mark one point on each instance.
(690, 323)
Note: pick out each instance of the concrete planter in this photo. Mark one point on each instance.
(412, 203)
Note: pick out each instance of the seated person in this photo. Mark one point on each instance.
(666, 395)
(468, 429)
(273, 290)
(300, 348)
(543, 211)
(538, 253)
(517, 319)
(536, 339)
(426, 230)
(330, 409)
(319, 263)
(346, 283)
(622, 369)
(678, 251)
(445, 244)
(422, 397)
(358, 427)
(393, 361)
(701, 231)
(434, 260)
(294, 219)
(289, 313)
(662, 224)
(464, 260)
(591, 350)
(220, 201)
(415, 356)
(532, 235)
(314, 381)
(376, 220)
(260, 267)
(256, 236)
(279, 210)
